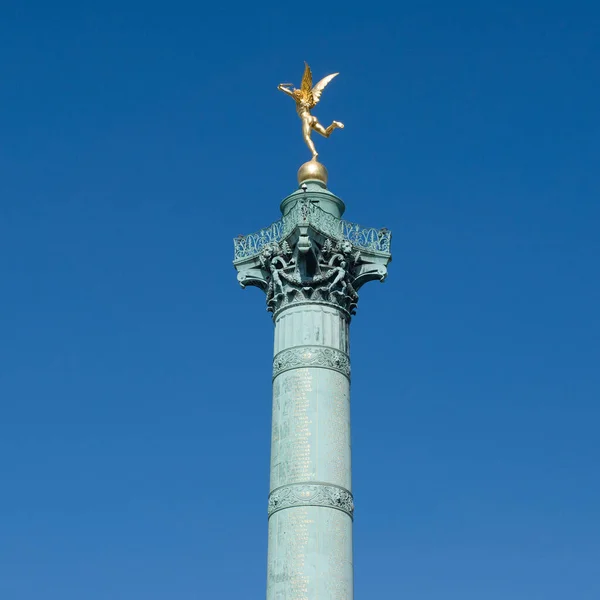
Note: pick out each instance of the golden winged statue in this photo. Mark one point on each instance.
(306, 98)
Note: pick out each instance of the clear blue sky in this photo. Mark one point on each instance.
(138, 138)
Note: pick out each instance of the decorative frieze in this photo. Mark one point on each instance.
(311, 494)
(311, 356)
(310, 271)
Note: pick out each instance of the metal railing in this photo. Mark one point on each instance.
(308, 213)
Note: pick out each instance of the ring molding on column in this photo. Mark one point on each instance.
(311, 356)
(311, 494)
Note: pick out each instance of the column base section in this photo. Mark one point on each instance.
(310, 554)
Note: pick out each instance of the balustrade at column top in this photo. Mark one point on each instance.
(305, 212)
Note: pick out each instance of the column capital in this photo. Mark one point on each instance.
(311, 256)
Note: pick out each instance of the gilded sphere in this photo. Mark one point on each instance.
(312, 170)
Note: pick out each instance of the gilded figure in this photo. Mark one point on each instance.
(306, 99)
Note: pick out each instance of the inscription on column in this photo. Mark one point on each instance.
(310, 555)
(292, 458)
(338, 432)
(338, 579)
(287, 577)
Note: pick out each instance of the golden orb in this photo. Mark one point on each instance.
(314, 170)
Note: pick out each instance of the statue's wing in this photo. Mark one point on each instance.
(306, 85)
(318, 89)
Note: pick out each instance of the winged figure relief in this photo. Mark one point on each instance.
(306, 98)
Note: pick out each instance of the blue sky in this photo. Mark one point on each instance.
(138, 138)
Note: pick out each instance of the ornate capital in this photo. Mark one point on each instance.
(312, 256)
(311, 494)
(311, 356)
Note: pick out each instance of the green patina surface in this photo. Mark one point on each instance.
(311, 264)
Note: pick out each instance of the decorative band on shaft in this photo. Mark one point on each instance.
(311, 494)
(311, 356)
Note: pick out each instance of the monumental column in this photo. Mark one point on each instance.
(311, 264)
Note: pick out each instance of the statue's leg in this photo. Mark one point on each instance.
(306, 131)
(334, 125)
(327, 132)
(320, 129)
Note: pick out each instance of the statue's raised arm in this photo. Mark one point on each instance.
(284, 87)
(306, 99)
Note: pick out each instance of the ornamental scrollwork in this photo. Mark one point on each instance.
(250, 245)
(313, 270)
(311, 494)
(307, 213)
(311, 356)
